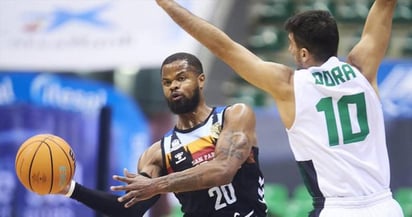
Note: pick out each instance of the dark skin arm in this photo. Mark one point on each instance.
(232, 149)
(107, 203)
(151, 161)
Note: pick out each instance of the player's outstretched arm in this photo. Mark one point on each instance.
(270, 77)
(108, 203)
(232, 150)
(371, 49)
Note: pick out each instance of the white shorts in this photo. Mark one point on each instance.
(377, 205)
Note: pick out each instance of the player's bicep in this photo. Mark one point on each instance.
(151, 161)
(238, 135)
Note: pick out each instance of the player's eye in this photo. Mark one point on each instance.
(166, 83)
(181, 78)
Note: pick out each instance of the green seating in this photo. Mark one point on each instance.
(352, 10)
(404, 197)
(238, 90)
(277, 198)
(300, 203)
(176, 211)
(403, 12)
(267, 39)
(296, 209)
(275, 11)
(328, 5)
(407, 48)
(301, 193)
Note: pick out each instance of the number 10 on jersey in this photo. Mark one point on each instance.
(326, 106)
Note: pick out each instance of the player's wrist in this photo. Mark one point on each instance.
(161, 185)
(71, 188)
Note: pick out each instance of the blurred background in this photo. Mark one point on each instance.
(89, 72)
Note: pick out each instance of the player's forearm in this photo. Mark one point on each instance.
(206, 33)
(200, 177)
(108, 204)
(231, 153)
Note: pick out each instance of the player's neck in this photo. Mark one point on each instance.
(194, 118)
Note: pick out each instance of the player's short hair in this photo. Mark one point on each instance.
(191, 59)
(315, 30)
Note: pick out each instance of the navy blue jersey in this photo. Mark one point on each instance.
(183, 149)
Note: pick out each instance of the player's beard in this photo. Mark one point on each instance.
(185, 105)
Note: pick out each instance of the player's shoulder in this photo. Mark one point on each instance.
(154, 148)
(239, 106)
(239, 109)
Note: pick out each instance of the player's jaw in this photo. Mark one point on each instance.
(179, 103)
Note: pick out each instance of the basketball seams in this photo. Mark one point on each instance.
(20, 152)
(23, 149)
(64, 152)
(31, 163)
(51, 162)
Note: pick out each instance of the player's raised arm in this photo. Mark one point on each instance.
(369, 52)
(270, 77)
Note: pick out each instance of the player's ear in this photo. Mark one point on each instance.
(304, 54)
(201, 79)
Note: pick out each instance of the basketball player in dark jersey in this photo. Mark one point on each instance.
(209, 160)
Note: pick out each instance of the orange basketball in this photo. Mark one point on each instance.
(45, 164)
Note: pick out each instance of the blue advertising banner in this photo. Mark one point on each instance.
(33, 103)
(394, 80)
(21, 121)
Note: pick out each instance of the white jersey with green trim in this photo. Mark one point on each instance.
(338, 136)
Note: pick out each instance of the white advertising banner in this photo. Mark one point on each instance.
(63, 35)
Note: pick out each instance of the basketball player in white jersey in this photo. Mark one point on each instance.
(331, 109)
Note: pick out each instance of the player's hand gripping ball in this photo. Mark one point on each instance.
(45, 164)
